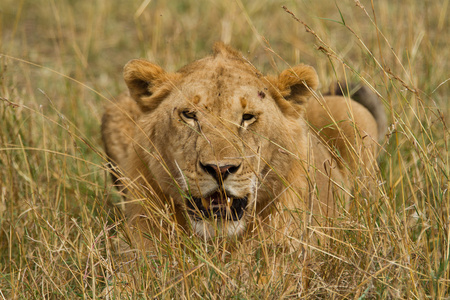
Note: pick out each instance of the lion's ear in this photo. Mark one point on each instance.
(144, 80)
(292, 88)
(297, 83)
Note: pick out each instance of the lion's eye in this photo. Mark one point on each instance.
(189, 115)
(248, 119)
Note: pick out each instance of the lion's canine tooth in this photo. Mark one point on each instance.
(205, 203)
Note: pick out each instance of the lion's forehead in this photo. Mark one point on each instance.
(240, 97)
(216, 95)
(222, 82)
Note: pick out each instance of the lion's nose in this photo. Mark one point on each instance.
(218, 172)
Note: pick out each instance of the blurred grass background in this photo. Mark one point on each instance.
(61, 62)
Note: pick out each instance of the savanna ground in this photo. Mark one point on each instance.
(61, 62)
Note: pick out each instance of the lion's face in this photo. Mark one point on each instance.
(215, 132)
(219, 134)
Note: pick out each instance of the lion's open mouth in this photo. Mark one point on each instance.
(218, 205)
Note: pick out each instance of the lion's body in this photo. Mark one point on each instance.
(219, 139)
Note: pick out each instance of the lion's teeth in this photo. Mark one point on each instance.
(205, 203)
(228, 199)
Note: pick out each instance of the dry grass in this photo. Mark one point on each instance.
(61, 61)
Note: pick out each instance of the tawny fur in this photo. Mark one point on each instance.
(172, 123)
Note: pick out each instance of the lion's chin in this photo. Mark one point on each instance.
(210, 230)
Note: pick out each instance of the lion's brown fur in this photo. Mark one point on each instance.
(171, 125)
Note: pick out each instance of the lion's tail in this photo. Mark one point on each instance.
(369, 100)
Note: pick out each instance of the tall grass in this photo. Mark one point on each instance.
(61, 62)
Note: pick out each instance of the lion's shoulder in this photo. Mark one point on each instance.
(118, 125)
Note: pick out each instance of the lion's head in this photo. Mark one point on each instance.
(218, 137)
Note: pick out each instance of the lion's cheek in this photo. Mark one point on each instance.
(182, 149)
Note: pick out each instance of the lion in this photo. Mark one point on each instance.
(219, 148)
